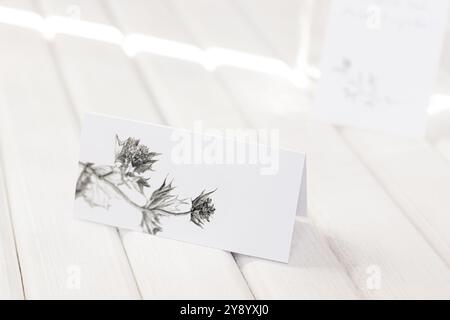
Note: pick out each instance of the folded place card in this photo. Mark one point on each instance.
(209, 190)
(379, 63)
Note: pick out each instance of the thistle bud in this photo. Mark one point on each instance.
(202, 208)
(132, 155)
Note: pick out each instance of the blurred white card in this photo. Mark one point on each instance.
(379, 63)
(190, 186)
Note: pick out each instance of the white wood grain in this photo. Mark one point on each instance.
(335, 186)
(294, 29)
(195, 94)
(235, 34)
(364, 221)
(416, 176)
(438, 130)
(364, 227)
(281, 23)
(101, 78)
(10, 279)
(411, 171)
(313, 271)
(39, 146)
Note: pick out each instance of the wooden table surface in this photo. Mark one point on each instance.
(379, 205)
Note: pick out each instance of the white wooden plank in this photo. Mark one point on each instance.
(144, 22)
(187, 94)
(313, 271)
(322, 138)
(10, 278)
(441, 133)
(415, 175)
(98, 75)
(439, 129)
(60, 257)
(185, 91)
(411, 171)
(101, 78)
(364, 227)
(294, 29)
(279, 22)
(168, 269)
(194, 94)
(225, 27)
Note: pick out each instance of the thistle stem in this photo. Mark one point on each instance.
(125, 197)
(115, 188)
(172, 213)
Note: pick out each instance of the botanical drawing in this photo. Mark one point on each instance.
(362, 86)
(99, 184)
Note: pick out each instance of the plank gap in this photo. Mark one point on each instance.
(147, 88)
(129, 263)
(219, 78)
(11, 220)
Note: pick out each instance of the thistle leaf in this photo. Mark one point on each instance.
(94, 191)
(163, 199)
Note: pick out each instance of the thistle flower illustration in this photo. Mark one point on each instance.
(202, 208)
(98, 184)
(130, 153)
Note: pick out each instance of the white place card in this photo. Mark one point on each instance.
(185, 185)
(379, 63)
